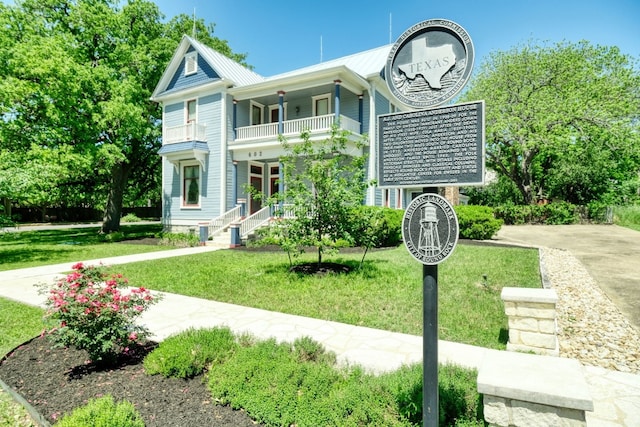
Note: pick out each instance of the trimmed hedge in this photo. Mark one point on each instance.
(477, 222)
(554, 213)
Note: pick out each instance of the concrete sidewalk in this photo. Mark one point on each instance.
(616, 395)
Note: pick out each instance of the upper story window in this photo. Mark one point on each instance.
(274, 112)
(256, 113)
(190, 63)
(321, 105)
(191, 112)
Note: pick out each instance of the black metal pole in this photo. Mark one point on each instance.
(430, 397)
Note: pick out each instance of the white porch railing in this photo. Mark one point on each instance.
(295, 127)
(218, 224)
(257, 131)
(182, 133)
(254, 221)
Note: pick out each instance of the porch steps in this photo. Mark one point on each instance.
(221, 240)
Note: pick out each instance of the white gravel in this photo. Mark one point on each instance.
(591, 329)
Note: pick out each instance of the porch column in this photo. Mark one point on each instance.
(234, 184)
(281, 187)
(361, 112)
(281, 112)
(280, 131)
(371, 191)
(337, 101)
(235, 123)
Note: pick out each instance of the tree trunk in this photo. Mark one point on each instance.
(7, 206)
(113, 209)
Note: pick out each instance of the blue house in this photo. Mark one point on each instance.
(221, 121)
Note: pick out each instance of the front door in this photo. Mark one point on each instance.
(255, 180)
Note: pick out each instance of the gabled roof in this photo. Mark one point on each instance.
(231, 72)
(225, 66)
(359, 66)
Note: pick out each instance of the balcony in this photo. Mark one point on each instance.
(293, 128)
(185, 142)
(184, 133)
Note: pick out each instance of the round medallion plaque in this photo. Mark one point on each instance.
(429, 63)
(430, 228)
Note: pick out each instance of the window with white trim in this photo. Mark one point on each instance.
(256, 113)
(274, 112)
(191, 185)
(321, 105)
(191, 111)
(190, 63)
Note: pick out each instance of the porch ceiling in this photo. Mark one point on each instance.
(349, 80)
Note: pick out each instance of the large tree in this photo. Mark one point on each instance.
(561, 120)
(79, 74)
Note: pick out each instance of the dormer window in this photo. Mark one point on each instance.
(190, 63)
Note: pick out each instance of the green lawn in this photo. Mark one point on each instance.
(33, 248)
(385, 294)
(627, 216)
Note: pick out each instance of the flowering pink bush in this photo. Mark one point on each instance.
(89, 310)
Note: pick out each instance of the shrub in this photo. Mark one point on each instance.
(477, 222)
(309, 350)
(300, 384)
(551, 213)
(113, 237)
(131, 217)
(88, 310)
(561, 213)
(6, 221)
(275, 387)
(103, 412)
(460, 403)
(180, 239)
(189, 353)
(383, 226)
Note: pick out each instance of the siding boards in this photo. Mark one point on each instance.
(174, 114)
(209, 110)
(204, 74)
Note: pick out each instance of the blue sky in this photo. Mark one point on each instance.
(280, 36)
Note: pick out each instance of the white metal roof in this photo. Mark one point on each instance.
(367, 63)
(226, 67)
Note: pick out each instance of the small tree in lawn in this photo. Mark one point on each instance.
(324, 181)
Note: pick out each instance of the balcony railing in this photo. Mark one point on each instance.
(295, 127)
(182, 133)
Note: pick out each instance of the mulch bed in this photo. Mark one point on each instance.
(55, 381)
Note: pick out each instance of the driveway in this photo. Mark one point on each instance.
(611, 254)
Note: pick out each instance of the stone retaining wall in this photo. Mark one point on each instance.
(532, 320)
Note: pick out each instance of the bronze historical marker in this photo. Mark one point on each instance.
(438, 146)
(430, 63)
